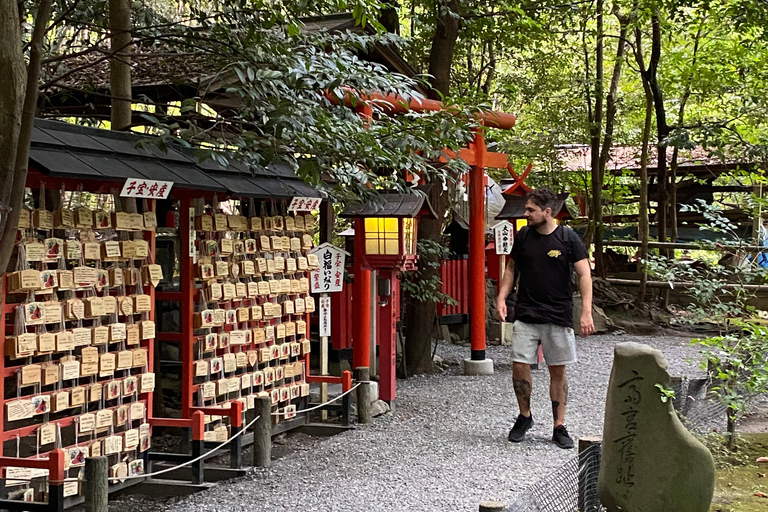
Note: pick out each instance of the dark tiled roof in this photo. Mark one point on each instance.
(514, 208)
(391, 205)
(67, 150)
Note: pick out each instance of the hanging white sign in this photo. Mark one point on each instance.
(304, 204)
(147, 189)
(325, 315)
(329, 277)
(504, 234)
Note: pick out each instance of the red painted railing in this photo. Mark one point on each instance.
(455, 284)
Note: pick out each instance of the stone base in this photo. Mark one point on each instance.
(484, 367)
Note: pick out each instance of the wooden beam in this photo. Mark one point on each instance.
(685, 285)
(676, 245)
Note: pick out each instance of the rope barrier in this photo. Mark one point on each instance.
(192, 461)
(321, 405)
(145, 475)
(187, 463)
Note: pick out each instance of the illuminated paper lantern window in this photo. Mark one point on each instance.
(389, 230)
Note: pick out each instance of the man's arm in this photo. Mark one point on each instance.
(504, 288)
(585, 287)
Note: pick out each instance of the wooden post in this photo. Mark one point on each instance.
(236, 445)
(491, 506)
(346, 400)
(323, 369)
(96, 486)
(198, 446)
(503, 321)
(476, 267)
(589, 467)
(262, 433)
(56, 472)
(363, 376)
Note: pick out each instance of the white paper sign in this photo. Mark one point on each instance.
(304, 204)
(148, 189)
(329, 277)
(325, 315)
(192, 234)
(504, 233)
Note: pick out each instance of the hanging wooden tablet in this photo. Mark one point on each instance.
(42, 219)
(150, 221)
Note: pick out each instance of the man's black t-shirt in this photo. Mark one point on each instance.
(545, 266)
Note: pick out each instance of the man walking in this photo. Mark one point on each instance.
(544, 256)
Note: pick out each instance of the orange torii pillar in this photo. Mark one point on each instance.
(476, 156)
(477, 364)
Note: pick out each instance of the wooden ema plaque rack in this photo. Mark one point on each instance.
(77, 336)
(245, 308)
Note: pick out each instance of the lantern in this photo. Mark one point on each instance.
(386, 233)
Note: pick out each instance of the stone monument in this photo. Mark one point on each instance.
(650, 462)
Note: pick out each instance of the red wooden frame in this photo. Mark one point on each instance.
(55, 461)
(186, 296)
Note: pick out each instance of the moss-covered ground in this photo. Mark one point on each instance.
(738, 477)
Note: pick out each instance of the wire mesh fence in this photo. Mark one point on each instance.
(573, 487)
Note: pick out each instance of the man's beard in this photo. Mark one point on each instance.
(536, 224)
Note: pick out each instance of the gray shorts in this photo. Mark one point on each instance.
(557, 342)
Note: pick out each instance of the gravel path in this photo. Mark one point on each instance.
(444, 448)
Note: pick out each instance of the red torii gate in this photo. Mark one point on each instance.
(478, 157)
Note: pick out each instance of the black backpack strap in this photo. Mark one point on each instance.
(523, 237)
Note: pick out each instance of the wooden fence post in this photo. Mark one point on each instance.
(262, 433)
(198, 447)
(96, 486)
(363, 376)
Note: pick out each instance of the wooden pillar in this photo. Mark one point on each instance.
(361, 303)
(346, 401)
(327, 221)
(387, 334)
(236, 445)
(187, 215)
(477, 250)
(57, 474)
(198, 447)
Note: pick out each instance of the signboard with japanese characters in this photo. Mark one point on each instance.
(304, 204)
(147, 189)
(329, 277)
(325, 316)
(504, 233)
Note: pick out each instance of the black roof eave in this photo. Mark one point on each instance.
(70, 151)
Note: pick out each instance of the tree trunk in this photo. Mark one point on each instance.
(662, 128)
(605, 152)
(443, 48)
(595, 130)
(642, 226)
(421, 316)
(680, 119)
(673, 197)
(486, 88)
(12, 82)
(120, 63)
(390, 17)
(18, 104)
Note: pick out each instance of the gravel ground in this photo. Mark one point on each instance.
(445, 446)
